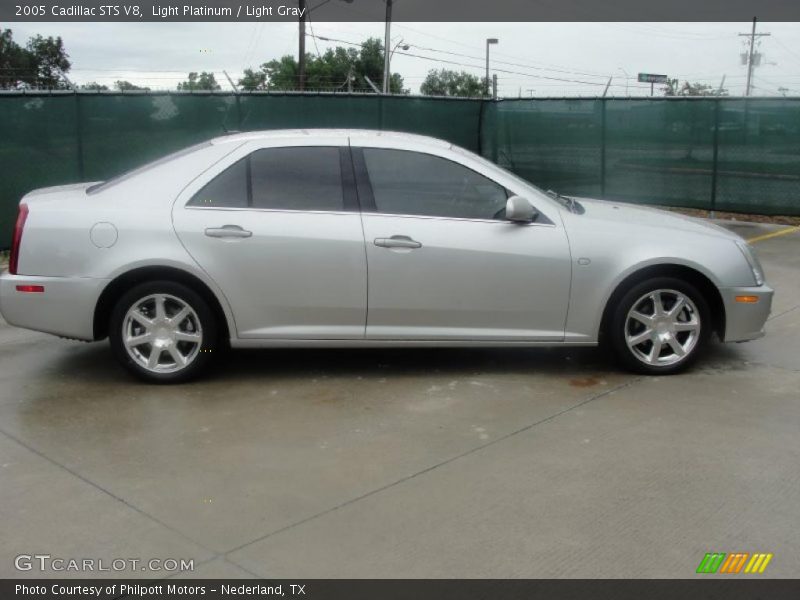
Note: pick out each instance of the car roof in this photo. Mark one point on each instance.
(355, 136)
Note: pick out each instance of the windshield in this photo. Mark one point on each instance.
(103, 185)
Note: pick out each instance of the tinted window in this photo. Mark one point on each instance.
(301, 178)
(228, 189)
(412, 183)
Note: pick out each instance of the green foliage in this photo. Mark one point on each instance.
(202, 81)
(93, 85)
(444, 82)
(338, 69)
(253, 80)
(671, 88)
(127, 86)
(40, 64)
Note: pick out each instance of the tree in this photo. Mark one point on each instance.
(51, 61)
(41, 63)
(338, 69)
(444, 82)
(253, 80)
(93, 85)
(127, 86)
(203, 81)
(691, 89)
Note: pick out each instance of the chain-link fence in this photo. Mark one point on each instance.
(729, 154)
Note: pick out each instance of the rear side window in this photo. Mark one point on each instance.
(296, 178)
(228, 189)
(302, 178)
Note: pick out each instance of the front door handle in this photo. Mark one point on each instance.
(228, 231)
(397, 241)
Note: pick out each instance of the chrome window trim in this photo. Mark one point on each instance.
(273, 210)
(366, 214)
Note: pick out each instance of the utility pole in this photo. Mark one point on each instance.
(489, 42)
(750, 55)
(386, 43)
(721, 86)
(494, 86)
(233, 85)
(301, 54)
(605, 91)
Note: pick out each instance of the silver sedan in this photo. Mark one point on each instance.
(343, 238)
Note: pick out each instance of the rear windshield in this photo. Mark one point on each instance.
(103, 185)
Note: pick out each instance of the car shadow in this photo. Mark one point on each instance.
(95, 363)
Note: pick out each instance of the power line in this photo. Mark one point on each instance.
(461, 64)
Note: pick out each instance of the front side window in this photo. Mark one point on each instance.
(294, 178)
(412, 183)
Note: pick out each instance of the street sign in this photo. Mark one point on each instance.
(652, 78)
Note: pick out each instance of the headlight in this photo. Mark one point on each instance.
(750, 256)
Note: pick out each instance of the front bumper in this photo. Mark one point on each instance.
(745, 320)
(65, 308)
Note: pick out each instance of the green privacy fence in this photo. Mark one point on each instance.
(730, 154)
(727, 154)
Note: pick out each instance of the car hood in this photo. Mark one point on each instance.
(637, 215)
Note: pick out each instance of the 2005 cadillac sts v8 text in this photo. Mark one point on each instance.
(359, 238)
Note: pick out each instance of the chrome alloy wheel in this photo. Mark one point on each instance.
(162, 333)
(662, 327)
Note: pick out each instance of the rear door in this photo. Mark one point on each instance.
(278, 229)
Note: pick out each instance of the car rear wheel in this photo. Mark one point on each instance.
(660, 326)
(163, 331)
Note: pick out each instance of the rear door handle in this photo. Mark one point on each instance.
(397, 241)
(228, 231)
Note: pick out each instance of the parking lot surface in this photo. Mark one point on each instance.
(409, 463)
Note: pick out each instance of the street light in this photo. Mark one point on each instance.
(489, 41)
(387, 72)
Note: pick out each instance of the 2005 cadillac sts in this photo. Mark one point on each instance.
(359, 238)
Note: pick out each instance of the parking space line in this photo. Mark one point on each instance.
(108, 493)
(786, 312)
(447, 461)
(774, 234)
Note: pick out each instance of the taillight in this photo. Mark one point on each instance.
(15, 241)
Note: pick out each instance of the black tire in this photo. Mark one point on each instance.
(202, 353)
(620, 327)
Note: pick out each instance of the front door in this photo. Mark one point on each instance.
(443, 262)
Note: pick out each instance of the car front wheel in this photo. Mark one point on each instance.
(660, 326)
(163, 331)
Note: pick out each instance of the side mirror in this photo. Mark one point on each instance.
(520, 210)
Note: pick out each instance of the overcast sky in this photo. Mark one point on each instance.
(159, 55)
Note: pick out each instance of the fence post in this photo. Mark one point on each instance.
(79, 136)
(715, 160)
(602, 147)
(238, 112)
(480, 127)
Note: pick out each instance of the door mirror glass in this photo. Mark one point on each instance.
(520, 210)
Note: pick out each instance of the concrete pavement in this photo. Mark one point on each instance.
(409, 463)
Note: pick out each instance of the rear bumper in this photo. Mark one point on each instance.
(65, 308)
(745, 320)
